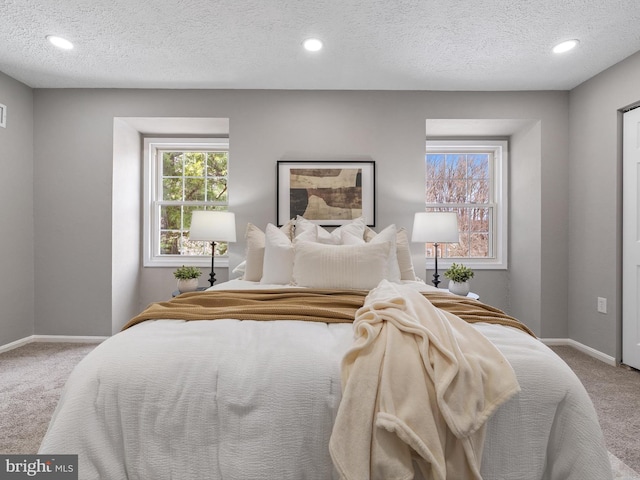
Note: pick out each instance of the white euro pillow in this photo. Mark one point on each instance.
(350, 239)
(277, 266)
(404, 256)
(403, 252)
(388, 235)
(254, 255)
(355, 267)
(355, 227)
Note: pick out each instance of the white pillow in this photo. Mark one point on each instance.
(302, 226)
(360, 267)
(350, 239)
(402, 250)
(255, 250)
(388, 235)
(240, 268)
(355, 227)
(277, 266)
(404, 256)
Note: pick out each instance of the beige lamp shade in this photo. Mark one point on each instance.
(213, 226)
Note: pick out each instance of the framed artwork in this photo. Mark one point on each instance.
(328, 193)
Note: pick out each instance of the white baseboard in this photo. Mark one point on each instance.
(51, 339)
(592, 352)
(67, 339)
(16, 344)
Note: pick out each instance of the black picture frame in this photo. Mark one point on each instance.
(329, 193)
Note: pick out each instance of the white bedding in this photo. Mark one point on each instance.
(242, 400)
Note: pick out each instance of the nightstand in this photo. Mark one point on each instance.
(175, 293)
(475, 296)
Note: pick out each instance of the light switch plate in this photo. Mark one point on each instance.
(602, 305)
(3, 116)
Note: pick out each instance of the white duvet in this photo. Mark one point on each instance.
(244, 400)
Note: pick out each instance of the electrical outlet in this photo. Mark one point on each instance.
(602, 305)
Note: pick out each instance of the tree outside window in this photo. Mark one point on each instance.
(190, 181)
(182, 175)
(466, 178)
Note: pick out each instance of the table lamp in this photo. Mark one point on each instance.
(436, 228)
(213, 226)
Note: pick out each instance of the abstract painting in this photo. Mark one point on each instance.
(329, 193)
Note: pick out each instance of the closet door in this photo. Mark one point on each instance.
(631, 240)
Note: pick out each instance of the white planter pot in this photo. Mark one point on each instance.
(459, 288)
(187, 284)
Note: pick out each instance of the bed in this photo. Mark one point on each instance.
(258, 399)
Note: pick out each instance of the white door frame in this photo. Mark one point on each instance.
(631, 238)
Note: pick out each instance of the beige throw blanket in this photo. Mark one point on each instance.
(418, 384)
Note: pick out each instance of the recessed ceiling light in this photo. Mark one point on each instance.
(565, 46)
(312, 44)
(60, 42)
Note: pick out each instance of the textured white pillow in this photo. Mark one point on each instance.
(254, 254)
(405, 264)
(255, 250)
(355, 227)
(388, 235)
(359, 267)
(404, 256)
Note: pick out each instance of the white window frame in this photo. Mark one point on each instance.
(498, 203)
(152, 202)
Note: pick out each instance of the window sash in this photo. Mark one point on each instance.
(450, 251)
(496, 204)
(154, 148)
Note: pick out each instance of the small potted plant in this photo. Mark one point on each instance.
(187, 278)
(459, 276)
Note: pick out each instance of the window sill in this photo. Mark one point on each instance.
(444, 263)
(204, 262)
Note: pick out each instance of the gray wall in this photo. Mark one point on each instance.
(77, 287)
(126, 204)
(16, 214)
(525, 273)
(595, 203)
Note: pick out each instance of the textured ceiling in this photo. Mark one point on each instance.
(369, 44)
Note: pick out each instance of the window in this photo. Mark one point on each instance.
(470, 178)
(182, 175)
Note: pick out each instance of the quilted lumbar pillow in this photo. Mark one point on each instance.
(360, 267)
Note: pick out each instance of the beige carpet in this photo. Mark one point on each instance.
(32, 376)
(31, 380)
(615, 392)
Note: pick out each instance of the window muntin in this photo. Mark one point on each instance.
(470, 179)
(184, 175)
